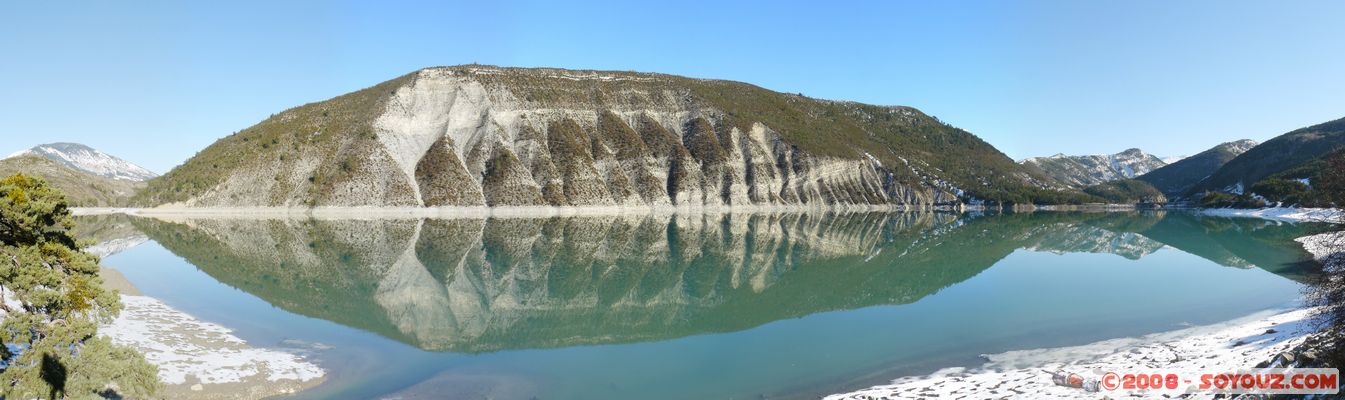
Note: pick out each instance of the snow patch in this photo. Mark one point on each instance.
(86, 159)
(182, 346)
(1288, 214)
(1098, 168)
(1323, 245)
(873, 159)
(1171, 159)
(1230, 346)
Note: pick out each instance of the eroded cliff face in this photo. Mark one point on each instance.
(455, 137)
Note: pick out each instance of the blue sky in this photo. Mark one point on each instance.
(154, 82)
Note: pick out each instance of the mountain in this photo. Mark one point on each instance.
(1294, 155)
(88, 160)
(488, 136)
(1083, 171)
(1171, 159)
(1176, 178)
(81, 188)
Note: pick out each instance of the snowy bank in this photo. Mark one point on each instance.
(1323, 245)
(1224, 347)
(1290, 214)
(198, 359)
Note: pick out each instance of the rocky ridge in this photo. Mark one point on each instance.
(487, 136)
(1084, 171)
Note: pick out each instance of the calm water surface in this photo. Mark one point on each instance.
(703, 306)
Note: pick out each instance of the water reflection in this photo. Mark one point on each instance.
(474, 285)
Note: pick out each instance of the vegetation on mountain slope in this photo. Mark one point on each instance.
(892, 134)
(329, 153)
(80, 188)
(1302, 185)
(1326, 290)
(1291, 155)
(1176, 178)
(338, 129)
(1127, 191)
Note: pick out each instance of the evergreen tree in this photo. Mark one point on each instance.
(1327, 291)
(1332, 180)
(53, 301)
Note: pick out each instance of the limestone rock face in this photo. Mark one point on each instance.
(484, 136)
(661, 155)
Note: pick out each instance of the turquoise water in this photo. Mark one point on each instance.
(701, 307)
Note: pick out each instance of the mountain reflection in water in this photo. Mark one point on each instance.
(480, 285)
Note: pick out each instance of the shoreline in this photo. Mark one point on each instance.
(1283, 214)
(1014, 372)
(372, 212)
(1223, 347)
(376, 212)
(200, 360)
(203, 360)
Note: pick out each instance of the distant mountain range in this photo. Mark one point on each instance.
(1084, 171)
(88, 177)
(88, 160)
(1240, 173)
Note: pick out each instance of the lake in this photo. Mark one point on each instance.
(702, 306)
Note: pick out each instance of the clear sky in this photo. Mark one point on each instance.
(154, 82)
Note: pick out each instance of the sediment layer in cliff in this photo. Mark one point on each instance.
(485, 136)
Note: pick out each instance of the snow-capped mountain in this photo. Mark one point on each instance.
(1083, 171)
(89, 160)
(1171, 159)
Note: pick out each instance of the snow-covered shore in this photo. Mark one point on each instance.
(1289, 214)
(1323, 246)
(1224, 347)
(198, 359)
